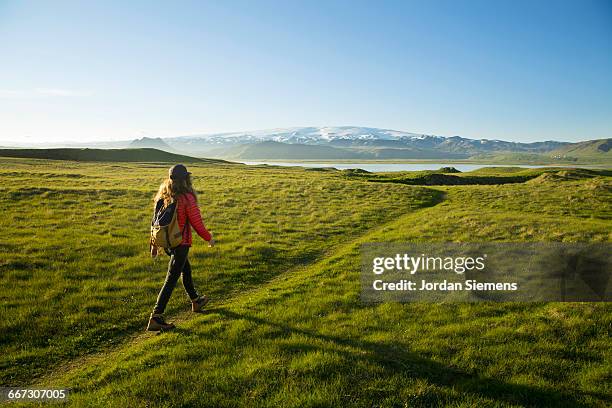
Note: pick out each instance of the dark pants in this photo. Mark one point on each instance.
(178, 265)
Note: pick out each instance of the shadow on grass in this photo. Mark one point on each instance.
(179, 330)
(395, 360)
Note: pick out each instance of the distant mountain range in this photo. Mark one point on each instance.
(360, 137)
(361, 143)
(358, 143)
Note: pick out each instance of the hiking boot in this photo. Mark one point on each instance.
(199, 303)
(157, 323)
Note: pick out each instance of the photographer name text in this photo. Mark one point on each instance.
(423, 285)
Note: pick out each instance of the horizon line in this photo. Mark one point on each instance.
(209, 134)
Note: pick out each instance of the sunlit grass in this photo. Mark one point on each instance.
(286, 327)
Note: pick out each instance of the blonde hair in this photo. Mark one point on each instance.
(170, 189)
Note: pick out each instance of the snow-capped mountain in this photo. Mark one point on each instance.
(356, 139)
(301, 135)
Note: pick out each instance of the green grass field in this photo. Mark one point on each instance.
(286, 326)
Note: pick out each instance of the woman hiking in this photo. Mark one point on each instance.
(178, 188)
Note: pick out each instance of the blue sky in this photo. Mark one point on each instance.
(513, 70)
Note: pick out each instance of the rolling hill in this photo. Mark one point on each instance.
(592, 149)
(106, 155)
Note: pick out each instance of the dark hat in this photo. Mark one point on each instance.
(178, 172)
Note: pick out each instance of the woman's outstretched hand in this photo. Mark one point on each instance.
(211, 243)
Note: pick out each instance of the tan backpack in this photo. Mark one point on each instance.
(165, 231)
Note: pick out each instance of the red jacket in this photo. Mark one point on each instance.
(187, 209)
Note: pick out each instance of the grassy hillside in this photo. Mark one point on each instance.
(591, 149)
(286, 326)
(108, 155)
(590, 152)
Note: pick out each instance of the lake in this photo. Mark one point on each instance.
(382, 167)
